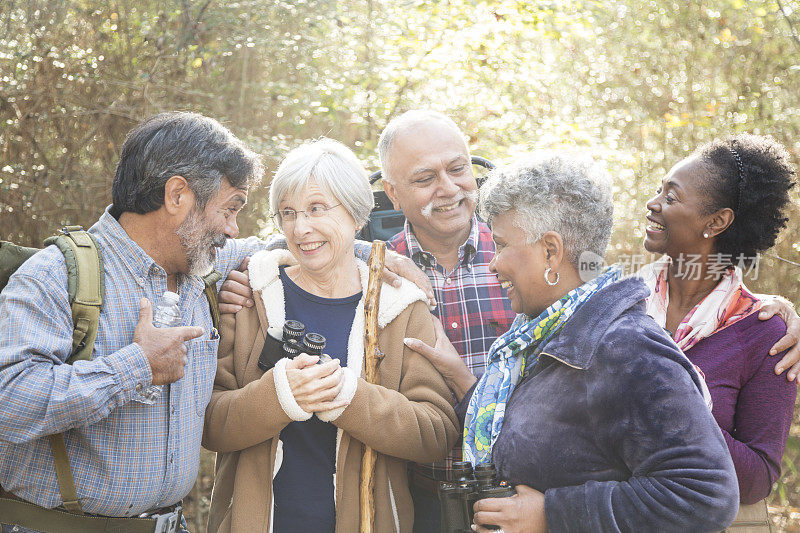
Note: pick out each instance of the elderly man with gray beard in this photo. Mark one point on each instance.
(180, 183)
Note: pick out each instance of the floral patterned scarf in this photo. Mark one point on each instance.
(510, 357)
(729, 302)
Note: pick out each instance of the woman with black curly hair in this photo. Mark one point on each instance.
(714, 213)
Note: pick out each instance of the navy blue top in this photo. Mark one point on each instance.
(303, 487)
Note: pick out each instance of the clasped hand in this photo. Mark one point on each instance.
(521, 513)
(315, 387)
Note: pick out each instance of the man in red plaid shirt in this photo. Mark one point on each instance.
(427, 173)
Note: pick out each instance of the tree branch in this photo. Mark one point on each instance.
(789, 22)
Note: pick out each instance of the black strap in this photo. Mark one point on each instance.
(271, 353)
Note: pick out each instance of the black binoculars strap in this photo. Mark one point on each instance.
(271, 353)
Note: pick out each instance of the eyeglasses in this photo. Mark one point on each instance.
(288, 215)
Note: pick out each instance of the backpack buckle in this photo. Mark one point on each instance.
(66, 230)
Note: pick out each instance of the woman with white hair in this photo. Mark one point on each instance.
(587, 407)
(289, 438)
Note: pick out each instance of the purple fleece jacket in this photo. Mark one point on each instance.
(611, 426)
(752, 405)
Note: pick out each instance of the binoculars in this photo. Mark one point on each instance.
(295, 341)
(458, 496)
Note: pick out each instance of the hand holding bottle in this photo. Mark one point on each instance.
(164, 347)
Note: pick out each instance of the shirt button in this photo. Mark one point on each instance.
(448, 281)
(138, 387)
(454, 325)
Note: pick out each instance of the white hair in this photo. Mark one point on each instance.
(561, 192)
(410, 118)
(333, 167)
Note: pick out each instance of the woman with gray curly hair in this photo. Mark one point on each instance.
(587, 407)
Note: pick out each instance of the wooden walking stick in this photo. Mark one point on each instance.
(371, 359)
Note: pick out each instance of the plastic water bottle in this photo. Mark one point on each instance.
(167, 314)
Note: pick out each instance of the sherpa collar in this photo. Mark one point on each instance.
(263, 270)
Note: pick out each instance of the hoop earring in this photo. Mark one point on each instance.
(547, 279)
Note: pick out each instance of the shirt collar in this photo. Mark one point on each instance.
(466, 252)
(129, 252)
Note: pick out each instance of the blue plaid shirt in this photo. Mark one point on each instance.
(126, 457)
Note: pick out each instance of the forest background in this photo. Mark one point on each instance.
(636, 83)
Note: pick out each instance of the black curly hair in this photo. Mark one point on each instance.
(751, 175)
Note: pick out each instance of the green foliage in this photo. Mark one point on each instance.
(638, 83)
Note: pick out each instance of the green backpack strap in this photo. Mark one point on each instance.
(210, 281)
(86, 287)
(85, 284)
(66, 481)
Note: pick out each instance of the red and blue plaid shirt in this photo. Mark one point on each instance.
(472, 306)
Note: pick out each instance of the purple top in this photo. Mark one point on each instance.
(752, 405)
